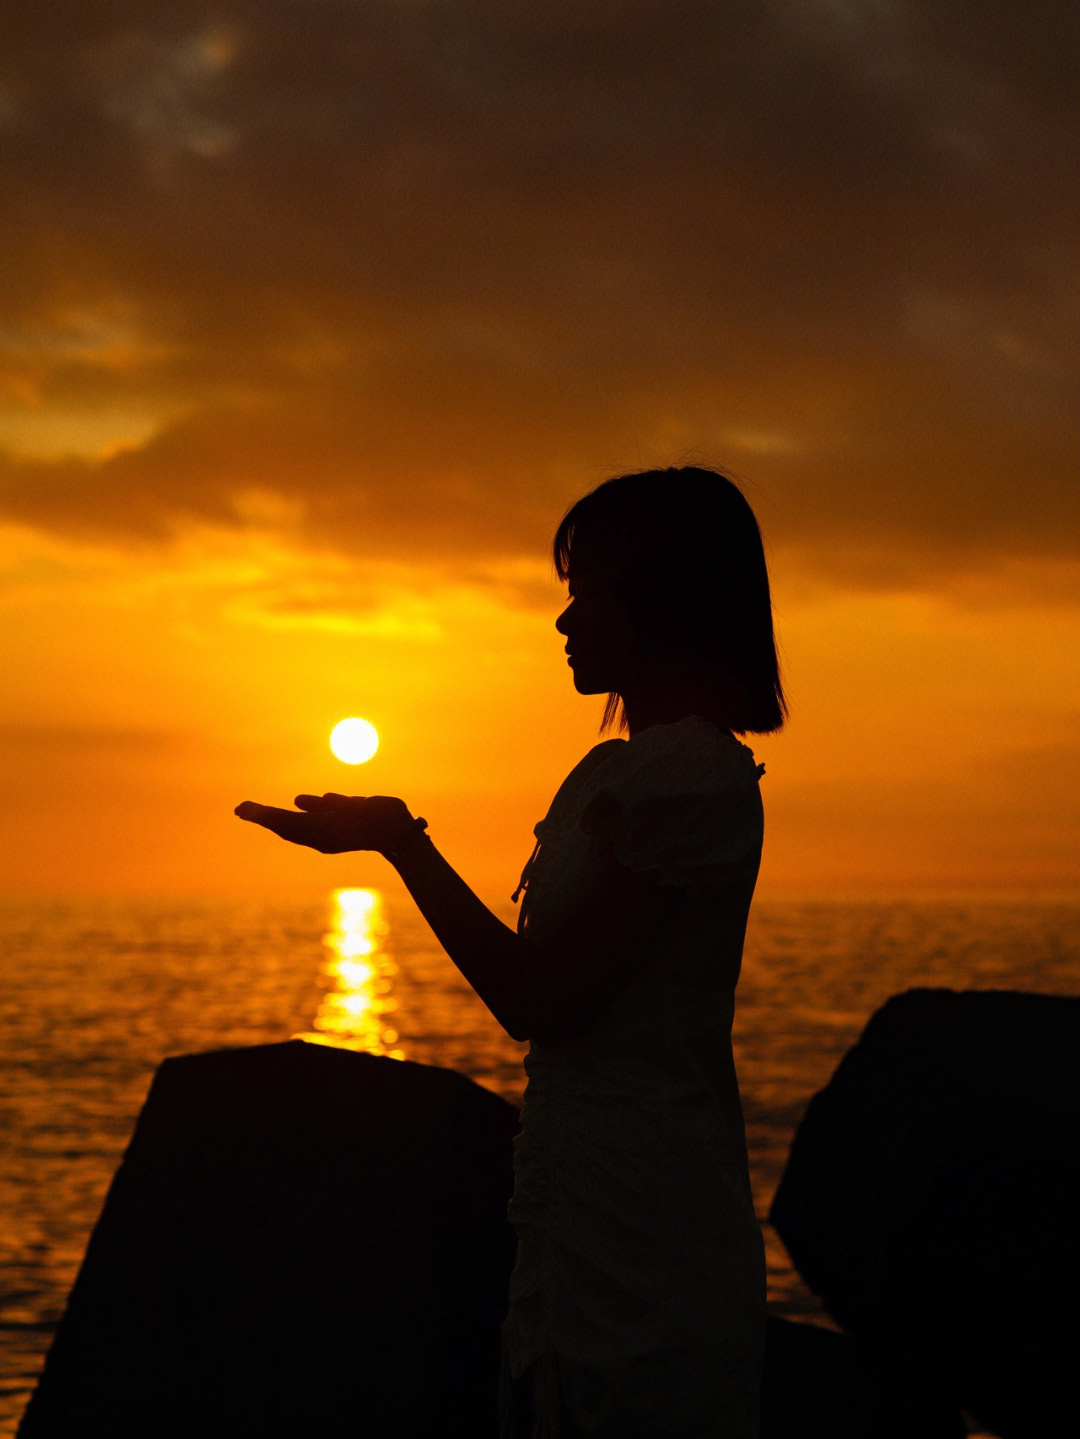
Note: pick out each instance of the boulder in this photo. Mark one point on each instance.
(821, 1384)
(299, 1240)
(931, 1194)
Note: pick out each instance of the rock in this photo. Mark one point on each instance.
(299, 1241)
(931, 1200)
(820, 1384)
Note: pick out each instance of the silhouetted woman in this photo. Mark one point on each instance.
(637, 1303)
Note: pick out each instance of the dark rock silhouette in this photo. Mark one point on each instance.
(820, 1384)
(300, 1240)
(931, 1195)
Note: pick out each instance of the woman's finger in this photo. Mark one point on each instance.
(284, 822)
(322, 801)
(300, 828)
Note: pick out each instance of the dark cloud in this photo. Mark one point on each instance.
(429, 268)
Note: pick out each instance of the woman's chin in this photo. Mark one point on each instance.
(586, 684)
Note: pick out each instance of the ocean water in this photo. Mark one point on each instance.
(94, 994)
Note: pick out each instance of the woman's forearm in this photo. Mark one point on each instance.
(495, 960)
(490, 955)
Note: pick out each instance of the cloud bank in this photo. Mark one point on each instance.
(415, 273)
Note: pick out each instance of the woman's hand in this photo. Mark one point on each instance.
(336, 823)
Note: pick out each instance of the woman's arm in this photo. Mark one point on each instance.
(546, 994)
(550, 993)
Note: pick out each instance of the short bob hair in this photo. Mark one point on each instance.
(682, 552)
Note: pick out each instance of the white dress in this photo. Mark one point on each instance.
(637, 1302)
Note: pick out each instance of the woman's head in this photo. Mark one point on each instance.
(681, 551)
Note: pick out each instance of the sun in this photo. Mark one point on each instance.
(354, 741)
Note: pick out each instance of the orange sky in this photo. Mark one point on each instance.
(315, 318)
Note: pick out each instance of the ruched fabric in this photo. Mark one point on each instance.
(637, 1303)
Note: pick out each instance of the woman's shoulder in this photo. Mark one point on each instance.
(693, 755)
(681, 799)
(656, 774)
(569, 792)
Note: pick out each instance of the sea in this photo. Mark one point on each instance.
(95, 993)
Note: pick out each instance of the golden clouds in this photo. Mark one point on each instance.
(478, 260)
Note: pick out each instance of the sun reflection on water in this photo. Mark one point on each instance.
(359, 978)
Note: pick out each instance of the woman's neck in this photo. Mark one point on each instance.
(642, 712)
(670, 702)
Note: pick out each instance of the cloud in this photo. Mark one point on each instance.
(420, 273)
(24, 742)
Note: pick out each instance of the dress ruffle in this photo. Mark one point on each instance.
(680, 800)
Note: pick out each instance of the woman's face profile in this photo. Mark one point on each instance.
(603, 648)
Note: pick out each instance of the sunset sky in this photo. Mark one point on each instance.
(317, 315)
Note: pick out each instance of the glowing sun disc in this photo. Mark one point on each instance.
(354, 741)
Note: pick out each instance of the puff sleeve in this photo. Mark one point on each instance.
(681, 801)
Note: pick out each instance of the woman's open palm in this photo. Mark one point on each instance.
(334, 823)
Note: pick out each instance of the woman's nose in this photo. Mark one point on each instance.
(561, 624)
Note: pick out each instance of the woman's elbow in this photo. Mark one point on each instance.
(524, 1028)
(556, 1026)
(557, 1003)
